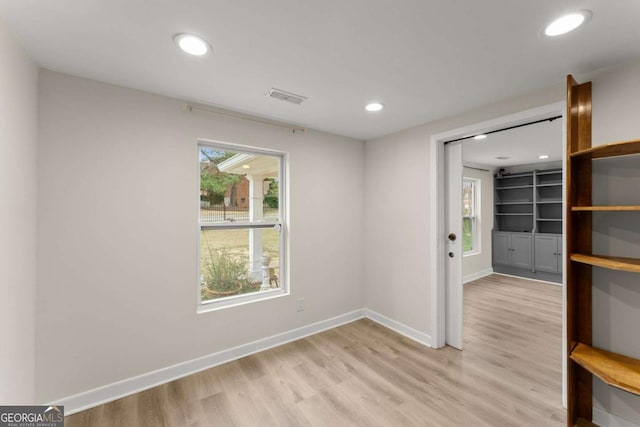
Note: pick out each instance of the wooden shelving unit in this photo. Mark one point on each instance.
(615, 149)
(584, 360)
(616, 370)
(605, 208)
(584, 423)
(610, 262)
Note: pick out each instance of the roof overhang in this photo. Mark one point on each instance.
(250, 164)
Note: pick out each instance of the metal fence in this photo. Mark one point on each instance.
(222, 213)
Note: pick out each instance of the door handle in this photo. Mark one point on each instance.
(451, 255)
(452, 237)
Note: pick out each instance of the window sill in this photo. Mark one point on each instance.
(234, 301)
(471, 253)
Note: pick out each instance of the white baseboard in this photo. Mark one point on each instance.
(477, 275)
(400, 328)
(120, 389)
(533, 280)
(605, 419)
(110, 392)
(117, 390)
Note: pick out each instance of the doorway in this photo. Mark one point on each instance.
(447, 313)
(512, 202)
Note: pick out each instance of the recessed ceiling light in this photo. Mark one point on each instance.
(503, 158)
(191, 44)
(568, 22)
(481, 136)
(543, 156)
(374, 106)
(245, 166)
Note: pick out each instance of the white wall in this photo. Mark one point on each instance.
(397, 199)
(539, 166)
(117, 243)
(18, 132)
(616, 295)
(481, 263)
(116, 218)
(397, 235)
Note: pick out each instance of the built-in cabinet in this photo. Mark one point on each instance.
(548, 202)
(512, 249)
(514, 203)
(527, 233)
(548, 253)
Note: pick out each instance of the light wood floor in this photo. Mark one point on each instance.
(363, 374)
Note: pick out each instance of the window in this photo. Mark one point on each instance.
(470, 216)
(241, 225)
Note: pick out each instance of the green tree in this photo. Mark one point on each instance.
(213, 183)
(271, 198)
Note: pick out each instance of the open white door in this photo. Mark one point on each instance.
(453, 229)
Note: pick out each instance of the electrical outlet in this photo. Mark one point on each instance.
(300, 304)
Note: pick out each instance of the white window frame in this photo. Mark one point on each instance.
(475, 217)
(282, 224)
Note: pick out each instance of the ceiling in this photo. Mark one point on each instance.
(521, 146)
(424, 59)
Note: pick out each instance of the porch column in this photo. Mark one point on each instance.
(256, 213)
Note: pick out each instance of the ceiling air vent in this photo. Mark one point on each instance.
(285, 96)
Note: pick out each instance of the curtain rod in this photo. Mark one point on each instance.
(190, 107)
(549, 119)
(476, 169)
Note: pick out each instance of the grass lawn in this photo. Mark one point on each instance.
(237, 241)
(467, 235)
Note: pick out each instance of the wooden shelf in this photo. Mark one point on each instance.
(605, 208)
(610, 262)
(615, 149)
(549, 219)
(549, 202)
(614, 369)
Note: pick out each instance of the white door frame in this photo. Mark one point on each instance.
(438, 211)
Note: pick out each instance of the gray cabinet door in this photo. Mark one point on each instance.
(559, 252)
(546, 251)
(521, 250)
(502, 248)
